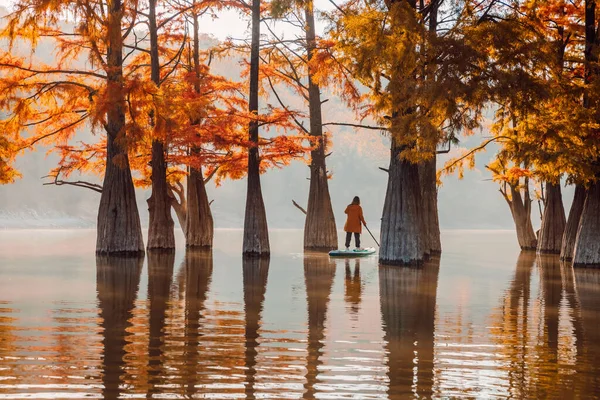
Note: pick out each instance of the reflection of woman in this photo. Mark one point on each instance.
(117, 284)
(318, 277)
(353, 285)
(353, 222)
(408, 299)
(256, 272)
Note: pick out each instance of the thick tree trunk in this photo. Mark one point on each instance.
(199, 222)
(553, 221)
(255, 272)
(521, 211)
(160, 276)
(570, 234)
(256, 233)
(587, 243)
(161, 233)
(320, 232)
(408, 304)
(319, 274)
(117, 284)
(401, 223)
(199, 229)
(429, 195)
(118, 230)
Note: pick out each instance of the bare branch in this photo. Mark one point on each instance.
(299, 207)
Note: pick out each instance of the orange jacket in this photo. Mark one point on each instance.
(355, 217)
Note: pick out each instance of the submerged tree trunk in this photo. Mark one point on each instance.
(408, 304)
(320, 232)
(199, 228)
(161, 233)
(319, 274)
(256, 234)
(118, 229)
(587, 243)
(520, 209)
(255, 272)
(117, 284)
(553, 221)
(431, 223)
(401, 223)
(570, 234)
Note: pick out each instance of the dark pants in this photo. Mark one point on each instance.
(356, 239)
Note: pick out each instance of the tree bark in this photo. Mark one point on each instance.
(520, 209)
(161, 233)
(429, 194)
(320, 232)
(401, 223)
(570, 234)
(117, 284)
(553, 221)
(199, 228)
(255, 272)
(408, 303)
(587, 243)
(256, 233)
(118, 230)
(319, 274)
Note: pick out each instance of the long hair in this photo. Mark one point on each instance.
(355, 201)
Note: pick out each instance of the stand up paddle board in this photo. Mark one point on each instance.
(352, 253)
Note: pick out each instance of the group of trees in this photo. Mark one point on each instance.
(424, 72)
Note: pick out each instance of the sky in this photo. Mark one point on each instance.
(230, 23)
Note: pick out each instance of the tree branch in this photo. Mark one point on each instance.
(299, 207)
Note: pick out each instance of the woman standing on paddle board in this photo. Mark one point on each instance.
(354, 222)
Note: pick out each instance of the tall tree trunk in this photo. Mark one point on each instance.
(118, 229)
(520, 209)
(319, 274)
(199, 229)
(570, 234)
(429, 195)
(256, 233)
(408, 304)
(553, 221)
(256, 273)
(401, 223)
(587, 246)
(117, 284)
(320, 232)
(587, 243)
(161, 233)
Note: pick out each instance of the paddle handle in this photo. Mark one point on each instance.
(368, 230)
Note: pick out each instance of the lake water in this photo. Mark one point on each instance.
(483, 321)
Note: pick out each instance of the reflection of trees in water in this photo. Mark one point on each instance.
(408, 304)
(542, 350)
(588, 292)
(319, 273)
(117, 283)
(160, 276)
(196, 276)
(353, 286)
(255, 271)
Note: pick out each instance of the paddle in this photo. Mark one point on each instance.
(368, 230)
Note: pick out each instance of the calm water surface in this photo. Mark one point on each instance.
(484, 321)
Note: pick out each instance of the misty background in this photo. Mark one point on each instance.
(471, 203)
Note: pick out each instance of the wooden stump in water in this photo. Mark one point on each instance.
(587, 246)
